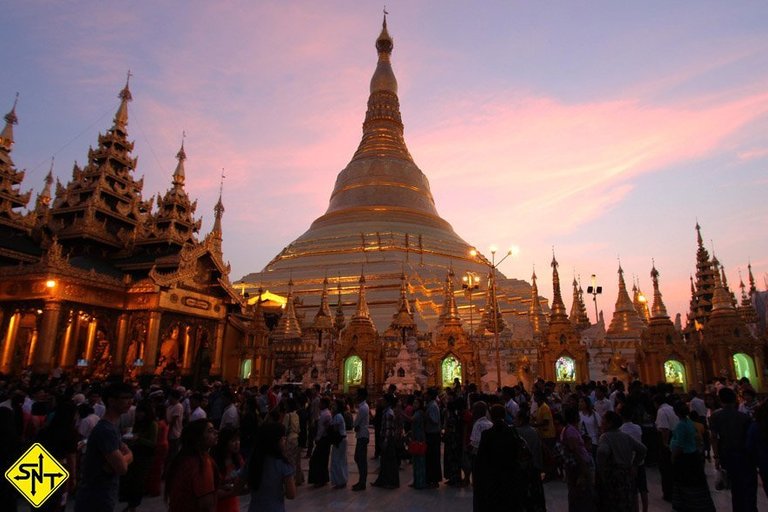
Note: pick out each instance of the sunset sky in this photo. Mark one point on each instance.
(602, 128)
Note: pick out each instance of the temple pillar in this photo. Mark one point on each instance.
(186, 362)
(67, 357)
(9, 343)
(219, 352)
(43, 357)
(118, 365)
(90, 341)
(32, 348)
(153, 337)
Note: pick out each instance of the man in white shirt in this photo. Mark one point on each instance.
(602, 404)
(361, 435)
(483, 423)
(174, 413)
(196, 405)
(697, 404)
(666, 421)
(230, 417)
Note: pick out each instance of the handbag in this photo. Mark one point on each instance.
(417, 447)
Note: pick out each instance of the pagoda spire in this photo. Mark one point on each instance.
(339, 322)
(535, 312)
(720, 299)
(752, 288)
(121, 116)
(178, 174)
(383, 126)
(659, 309)
(403, 319)
(450, 312)
(173, 224)
(558, 307)
(640, 301)
(323, 319)
(44, 197)
(362, 305)
(625, 318)
(288, 327)
(6, 136)
(11, 197)
(578, 316)
(218, 210)
(746, 311)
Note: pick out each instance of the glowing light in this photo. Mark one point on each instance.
(473, 253)
(514, 250)
(51, 283)
(494, 249)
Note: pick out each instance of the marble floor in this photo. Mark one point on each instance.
(443, 499)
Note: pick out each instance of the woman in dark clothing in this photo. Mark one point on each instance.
(579, 466)
(757, 443)
(389, 468)
(60, 439)
(691, 491)
(142, 441)
(452, 439)
(498, 476)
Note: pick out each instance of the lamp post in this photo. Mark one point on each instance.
(595, 290)
(493, 265)
(471, 282)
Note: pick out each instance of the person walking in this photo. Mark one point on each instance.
(191, 479)
(618, 456)
(318, 462)
(292, 428)
(729, 438)
(497, 468)
(229, 462)
(432, 427)
(578, 464)
(142, 440)
(339, 472)
(389, 466)
(362, 436)
(270, 474)
(691, 492)
(106, 457)
(418, 445)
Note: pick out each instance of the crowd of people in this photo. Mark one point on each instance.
(204, 448)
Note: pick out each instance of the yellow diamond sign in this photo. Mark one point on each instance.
(37, 475)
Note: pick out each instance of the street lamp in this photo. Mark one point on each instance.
(595, 290)
(493, 265)
(471, 282)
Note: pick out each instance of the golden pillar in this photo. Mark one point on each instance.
(43, 358)
(9, 343)
(32, 347)
(122, 334)
(90, 340)
(186, 362)
(219, 351)
(66, 358)
(153, 337)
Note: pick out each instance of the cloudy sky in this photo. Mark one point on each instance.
(602, 128)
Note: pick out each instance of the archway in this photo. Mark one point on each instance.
(744, 366)
(565, 369)
(353, 373)
(674, 373)
(245, 369)
(450, 369)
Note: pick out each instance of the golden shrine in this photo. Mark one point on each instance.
(378, 291)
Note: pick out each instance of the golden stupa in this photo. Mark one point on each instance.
(382, 222)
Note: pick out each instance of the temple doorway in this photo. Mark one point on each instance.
(674, 373)
(565, 369)
(744, 366)
(450, 370)
(353, 373)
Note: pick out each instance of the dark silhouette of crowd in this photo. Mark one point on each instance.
(204, 447)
